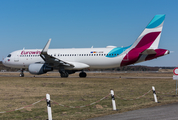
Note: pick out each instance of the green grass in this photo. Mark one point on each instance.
(19, 92)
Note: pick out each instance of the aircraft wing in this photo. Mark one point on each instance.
(50, 60)
(148, 52)
(55, 62)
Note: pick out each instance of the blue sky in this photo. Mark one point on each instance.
(84, 23)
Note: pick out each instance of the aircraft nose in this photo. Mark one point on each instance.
(4, 61)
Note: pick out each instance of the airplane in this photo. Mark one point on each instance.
(69, 61)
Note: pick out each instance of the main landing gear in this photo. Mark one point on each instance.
(82, 74)
(21, 73)
(64, 74)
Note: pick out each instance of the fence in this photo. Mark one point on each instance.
(49, 101)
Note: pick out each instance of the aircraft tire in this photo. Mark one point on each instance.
(21, 75)
(82, 75)
(64, 75)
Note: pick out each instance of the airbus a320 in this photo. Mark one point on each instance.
(68, 61)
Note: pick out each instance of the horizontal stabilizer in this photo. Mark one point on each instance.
(148, 52)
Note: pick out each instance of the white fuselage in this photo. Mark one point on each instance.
(94, 57)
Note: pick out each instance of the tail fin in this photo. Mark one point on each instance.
(150, 37)
(145, 47)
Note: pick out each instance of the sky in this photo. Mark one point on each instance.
(85, 23)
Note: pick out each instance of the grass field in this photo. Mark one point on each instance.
(18, 92)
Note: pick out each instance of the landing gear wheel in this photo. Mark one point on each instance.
(21, 75)
(82, 75)
(64, 74)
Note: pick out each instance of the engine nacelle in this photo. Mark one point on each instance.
(38, 68)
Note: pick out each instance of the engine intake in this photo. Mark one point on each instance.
(38, 68)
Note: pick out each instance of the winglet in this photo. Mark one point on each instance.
(45, 49)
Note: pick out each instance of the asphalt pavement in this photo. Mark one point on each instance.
(165, 112)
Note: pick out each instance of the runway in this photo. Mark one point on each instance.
(89, 76)
(92, 77)
(165, 112)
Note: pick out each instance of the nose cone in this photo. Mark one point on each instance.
(4, 61)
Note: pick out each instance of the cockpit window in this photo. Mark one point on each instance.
(9, 55)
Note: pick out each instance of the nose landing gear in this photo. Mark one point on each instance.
(21, 73)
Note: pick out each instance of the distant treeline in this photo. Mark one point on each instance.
(134, 68)
(125, 68)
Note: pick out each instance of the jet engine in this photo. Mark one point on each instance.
(38, 68)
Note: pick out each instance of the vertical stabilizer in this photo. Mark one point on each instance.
(150, 37)
(146, 45)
